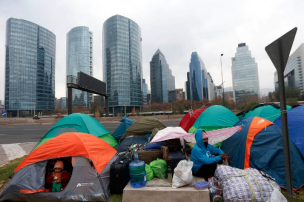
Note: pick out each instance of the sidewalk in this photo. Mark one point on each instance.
(10, 152)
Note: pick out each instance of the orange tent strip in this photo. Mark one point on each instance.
(32, 191)
(256, 126)
(72, 144)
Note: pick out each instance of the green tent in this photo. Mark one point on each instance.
(213, 118)
(144, 126)
(267, 111)
(79, 123)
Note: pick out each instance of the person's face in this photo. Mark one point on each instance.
(206, 138)
(57, 170)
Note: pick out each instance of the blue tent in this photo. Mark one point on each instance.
(121, 129)
(260, 145)
(295, 119)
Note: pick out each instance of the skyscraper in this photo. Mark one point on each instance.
(199, 80)
(122, 63)
(293, 74)
(245, 77)
(79, 58)
(210, 86)
(145, 92)
(161, 78)
(187, 87)
(29, 68)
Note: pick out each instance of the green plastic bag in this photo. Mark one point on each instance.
(149, 172)
(159, 168)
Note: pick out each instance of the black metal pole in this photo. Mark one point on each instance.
(284, 123)
(70, 101)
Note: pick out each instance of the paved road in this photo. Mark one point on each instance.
(17, 141)
(21, 134)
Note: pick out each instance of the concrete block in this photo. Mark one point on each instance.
(168, 194)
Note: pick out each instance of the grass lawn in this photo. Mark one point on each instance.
(297, 196)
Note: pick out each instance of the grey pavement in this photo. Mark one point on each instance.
(17, 141)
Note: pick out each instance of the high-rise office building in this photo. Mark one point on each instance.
(187, 87)
(245, 77)
(293, 75)
(161, 78)
(79, 58)
(29, 68)
(176, 95)
(122, 63)
(200, 84)
(63, 103)
(210, 86)
(145, 92)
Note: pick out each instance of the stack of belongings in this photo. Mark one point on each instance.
(244, 185)
(172, 147)
(151, 151)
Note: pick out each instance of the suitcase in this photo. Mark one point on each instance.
(119, 174)
(149, 155)
(174, 158)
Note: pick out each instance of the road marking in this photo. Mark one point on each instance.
(29, 129)
(13, 151)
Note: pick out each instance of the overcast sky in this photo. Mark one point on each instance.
(176, 27)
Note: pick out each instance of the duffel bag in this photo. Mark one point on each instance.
(244, 185)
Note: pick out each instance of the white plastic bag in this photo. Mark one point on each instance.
(277, 196)
(182, 174)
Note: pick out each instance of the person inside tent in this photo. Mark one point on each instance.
(59, 179)
(205, 157)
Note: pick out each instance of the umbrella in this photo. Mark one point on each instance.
(214, 136)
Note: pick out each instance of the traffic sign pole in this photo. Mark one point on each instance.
(279, 51)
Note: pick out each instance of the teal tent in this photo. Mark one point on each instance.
(213, 118)
(267, 111)
(78, 122)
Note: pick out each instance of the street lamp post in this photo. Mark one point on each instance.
(222, 80)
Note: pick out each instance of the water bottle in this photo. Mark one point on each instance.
(137, 173)
(169, 171)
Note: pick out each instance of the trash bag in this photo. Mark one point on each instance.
(149, 172)
(277, 196)
(182, 174)
(159, 167)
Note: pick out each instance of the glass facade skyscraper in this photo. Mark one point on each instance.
(293, 74)
(199, 79)
(161, 78)
(122, 63)
(245, 77)
(79, 58)
(145, 92)
(29, 67)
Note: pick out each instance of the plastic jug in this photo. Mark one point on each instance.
(137, 173)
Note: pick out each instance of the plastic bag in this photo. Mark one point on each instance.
(159, 167)
(149, 172)
(277, 196)
(182, 174)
